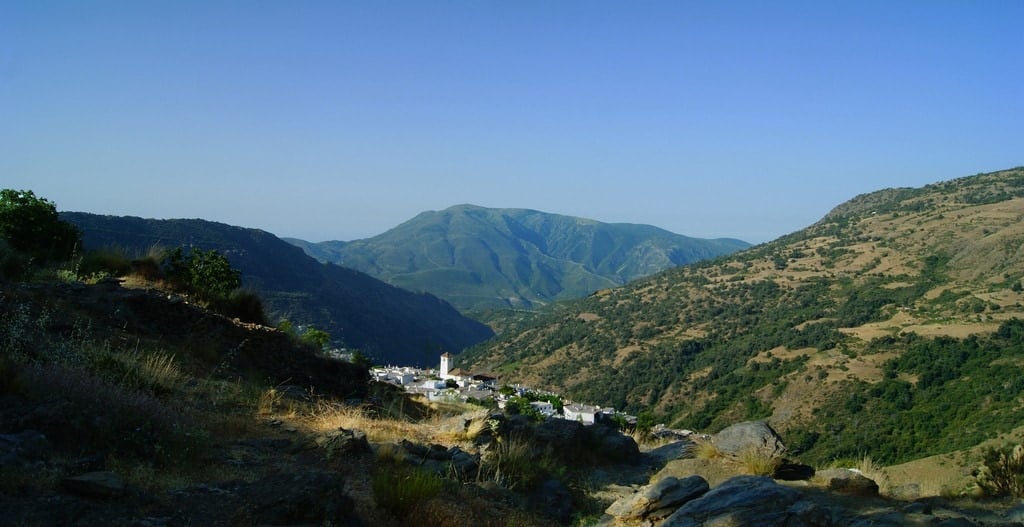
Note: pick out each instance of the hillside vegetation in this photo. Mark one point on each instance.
(390, 324)
(480, 259)
(891, 327)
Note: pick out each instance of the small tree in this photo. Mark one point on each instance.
(316, 337)
(206, 274)
(1002, 472)
(31, 225)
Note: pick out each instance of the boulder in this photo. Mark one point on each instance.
(847, 481)
(23, 448)
(742, 500)
(749, 435)
(104, 484)
(554, 500)
(613, 446)
(561, 435)
(658, 500)
(463, 464)
(790, 471)
(343, 441)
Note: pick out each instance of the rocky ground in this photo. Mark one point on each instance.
(269, 465)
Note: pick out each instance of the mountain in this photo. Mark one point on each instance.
(482, 259)
(892, 327)
(390, 324)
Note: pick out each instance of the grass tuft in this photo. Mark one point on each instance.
(757, 462)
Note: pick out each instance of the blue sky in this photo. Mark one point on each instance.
(340, 120)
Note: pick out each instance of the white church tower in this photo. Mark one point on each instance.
(446, 364)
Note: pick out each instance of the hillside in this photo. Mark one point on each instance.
(388, 323)
(891, 327)
(480, 259)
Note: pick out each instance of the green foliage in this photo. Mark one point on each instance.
(966, 391)
(206, 274)
(317, 338)
(246, 306)
(1002, 472)
(31, 226)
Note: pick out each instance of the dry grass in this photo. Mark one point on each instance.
(706, 450)
(756, 462)
(331, 416)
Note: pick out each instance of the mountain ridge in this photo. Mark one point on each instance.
(789, 330)
(390, 324)
(481, 258)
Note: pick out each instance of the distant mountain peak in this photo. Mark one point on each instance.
(481, 258)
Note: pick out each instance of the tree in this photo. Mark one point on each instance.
(206, 274)
(31, 225)
(316, 337)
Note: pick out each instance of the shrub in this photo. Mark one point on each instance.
(31, 225)
(1002, 472)
(246, 306)
(206, 274)
(104, 262)
(403, 490)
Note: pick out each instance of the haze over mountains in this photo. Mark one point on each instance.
(892, 327)
(480, 259)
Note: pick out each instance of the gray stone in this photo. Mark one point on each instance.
(742, 500)
(22, 448)
(343, 441)
(846, 481)
(103, 484)
(554, 499)
(749, 435)
(660, 499)
(464, 464)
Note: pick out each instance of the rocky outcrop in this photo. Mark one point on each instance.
(743, 500)
(847, 481)
(102, 484)
(751, 435)
(659, 500)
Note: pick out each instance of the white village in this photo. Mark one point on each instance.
(449, 383)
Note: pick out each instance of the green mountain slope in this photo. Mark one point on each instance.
(391, 324)
(891, 327)
(480, 259)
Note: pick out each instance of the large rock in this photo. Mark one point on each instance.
(102, 484)
(743, 500)
(554, 500)
(750, 435)
(613, 446)
(23, 448)
(847, 481)
(343, 441)
(658, 500)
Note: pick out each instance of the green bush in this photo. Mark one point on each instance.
(206, 274)
(1002, 472)
(246, 306)
(101, 262)
(31, 226)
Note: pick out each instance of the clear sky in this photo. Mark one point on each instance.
(341, 119)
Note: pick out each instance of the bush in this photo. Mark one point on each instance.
(206, 274)
(104, 262)
(246, 306)
(1002, 472)
(31, 226)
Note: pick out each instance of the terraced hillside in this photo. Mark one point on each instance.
(890, 327)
